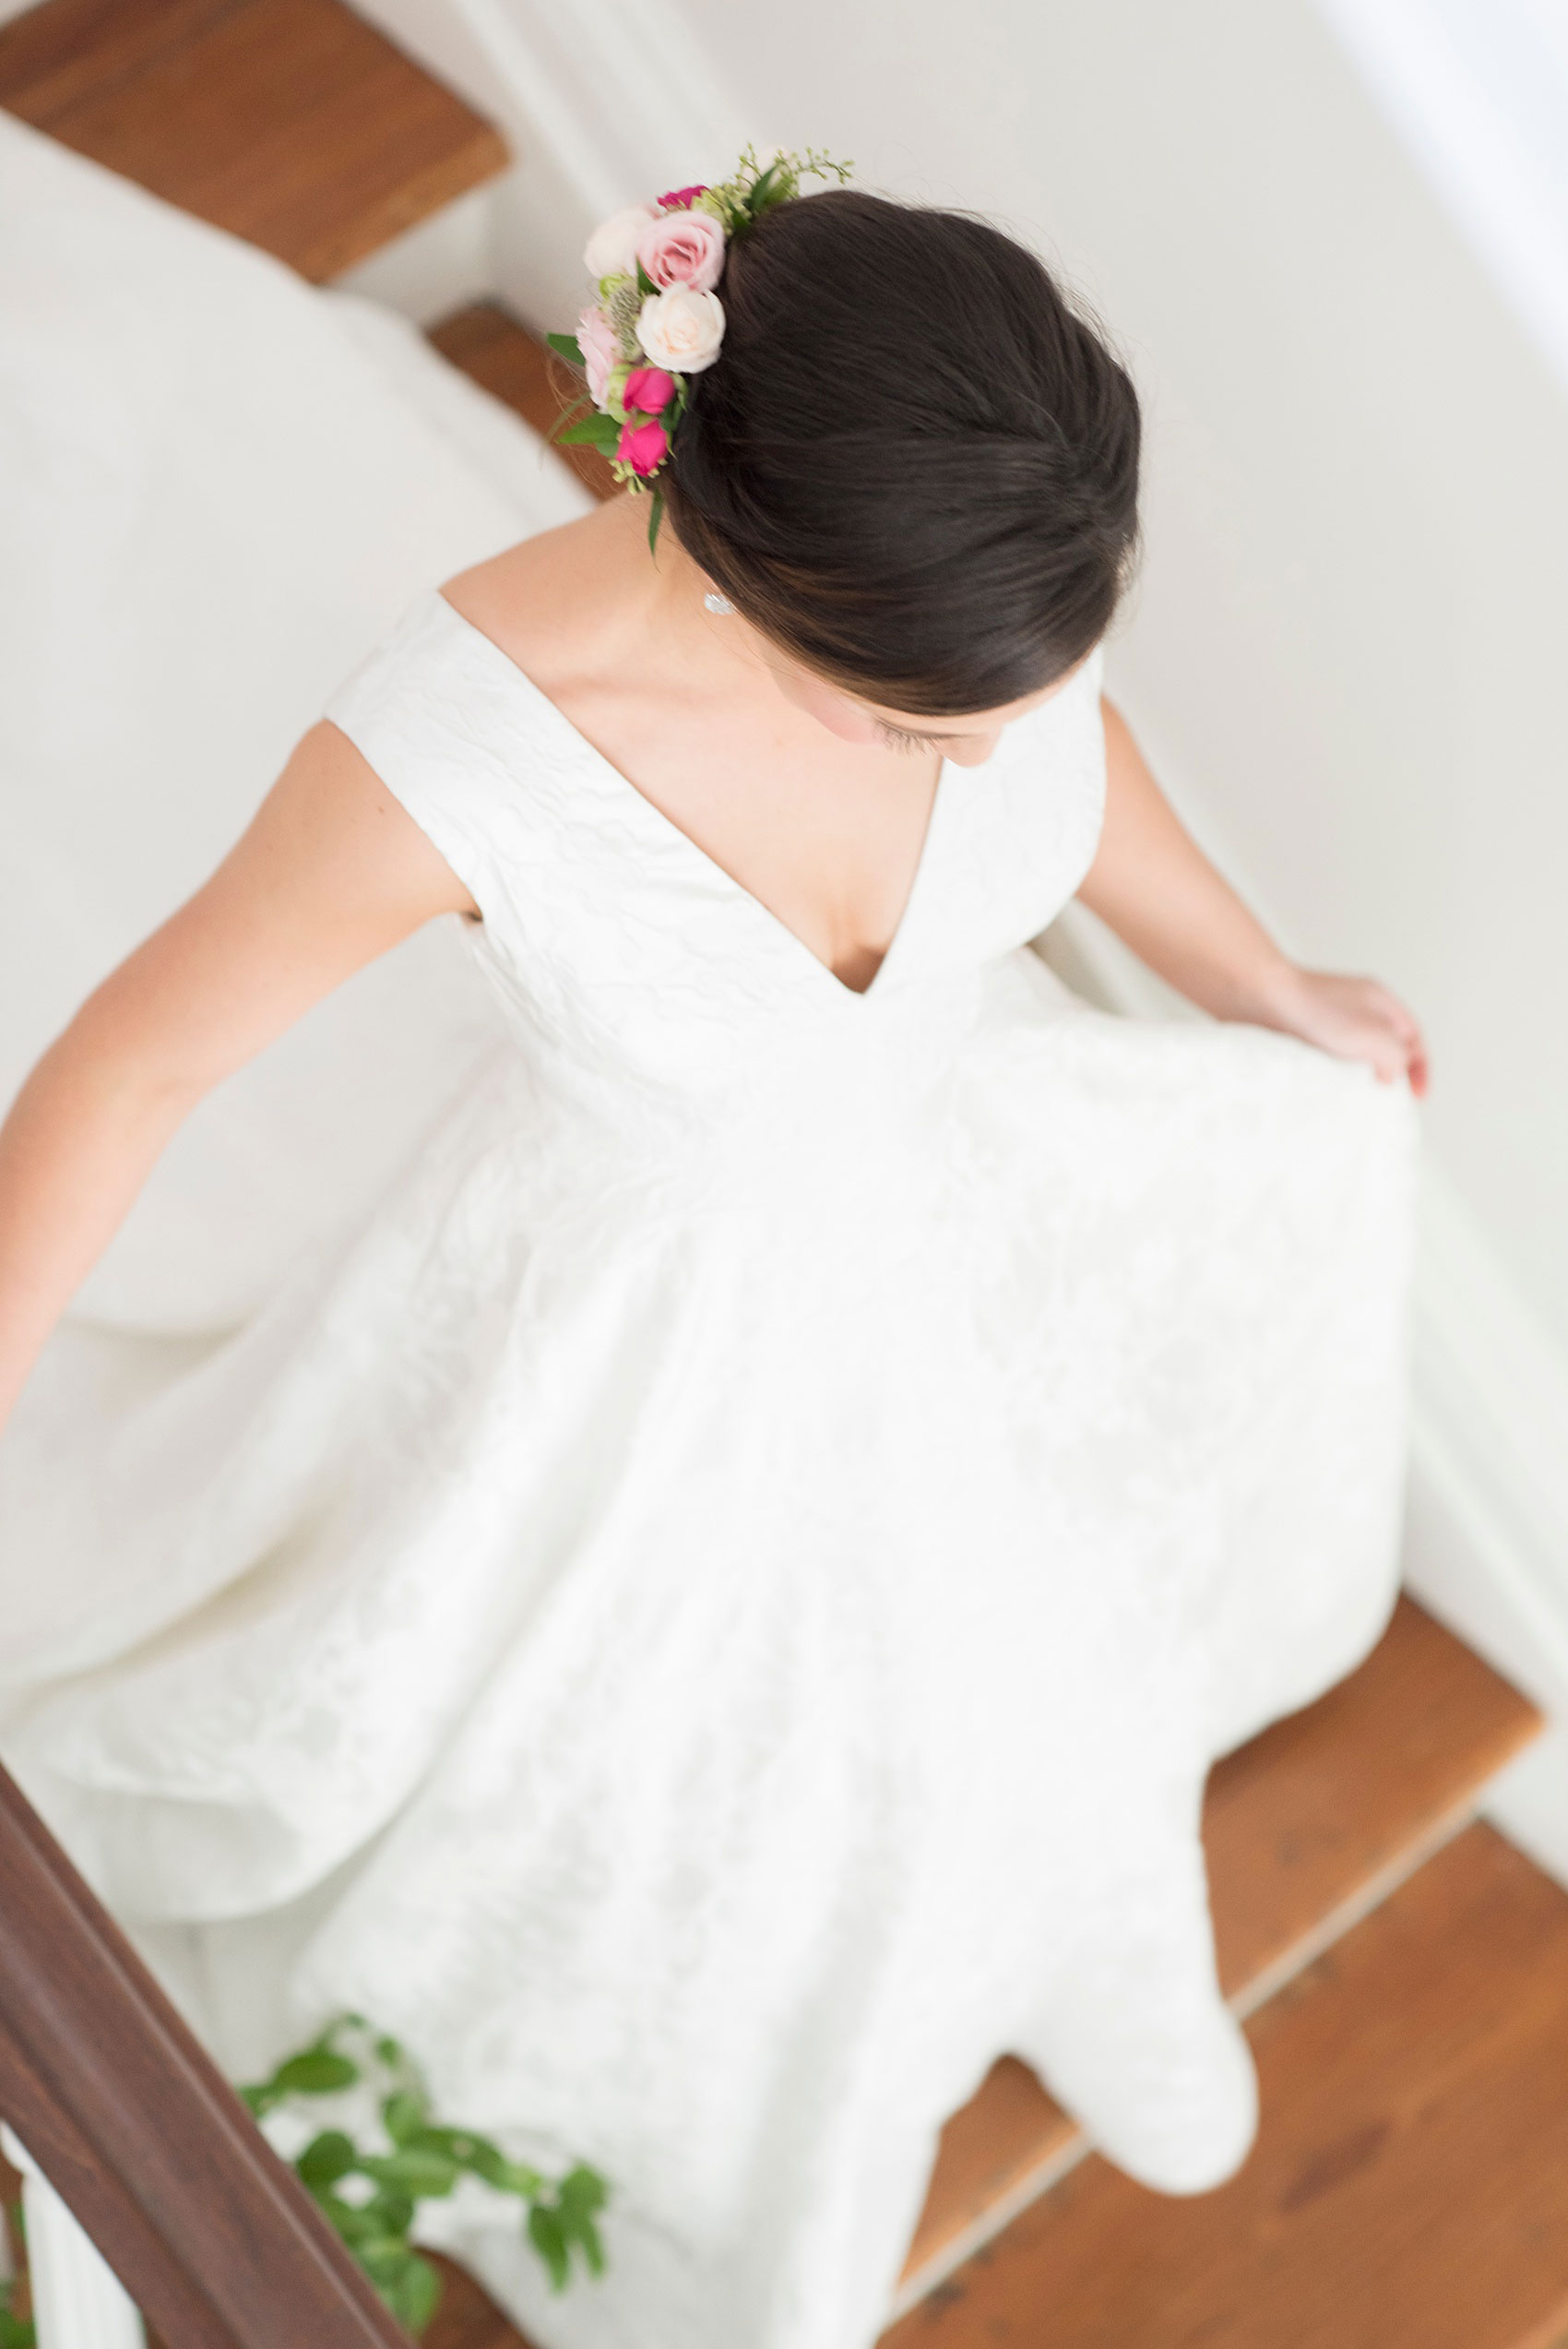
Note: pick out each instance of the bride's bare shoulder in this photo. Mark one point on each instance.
(531, 599)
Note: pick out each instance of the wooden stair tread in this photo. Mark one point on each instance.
(1410, 2187)
(1318, 1809)
(489, 344)
(291, 122)
(1308, 1821)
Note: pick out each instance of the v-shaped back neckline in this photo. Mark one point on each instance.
(676, 833)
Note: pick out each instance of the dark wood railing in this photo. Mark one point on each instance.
(126, 2116)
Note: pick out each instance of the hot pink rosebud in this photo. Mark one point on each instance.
(679, 198)
(644, 448)
(649, 390)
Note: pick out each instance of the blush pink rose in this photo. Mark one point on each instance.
(601, 351)
(644, 448)
(649, 390)
(675, 199)
(682, 248)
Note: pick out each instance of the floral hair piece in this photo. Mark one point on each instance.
(658, 320)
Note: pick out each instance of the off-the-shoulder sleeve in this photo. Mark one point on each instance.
(403, 709)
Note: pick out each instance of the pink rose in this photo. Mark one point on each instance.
(644, 448)
(601, 348)
(678, 198)
(649, 390)
(682, 248)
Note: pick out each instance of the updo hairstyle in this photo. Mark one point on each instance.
(912, 466)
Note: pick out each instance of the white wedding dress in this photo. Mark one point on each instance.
(733, 1578)
(700, 1590)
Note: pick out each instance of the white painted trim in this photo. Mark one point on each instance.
(78, 2300)
(1490, 1442)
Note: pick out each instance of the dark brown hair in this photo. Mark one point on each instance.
(912, 465)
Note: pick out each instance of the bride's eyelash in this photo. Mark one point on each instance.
(900, 738)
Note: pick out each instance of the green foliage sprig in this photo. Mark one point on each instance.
(372, 2194)
(754, 188)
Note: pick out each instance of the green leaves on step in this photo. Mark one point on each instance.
(326, 2159)
(319, 2069)
(371, 2193)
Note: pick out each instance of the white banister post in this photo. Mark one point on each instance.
(78, 2300)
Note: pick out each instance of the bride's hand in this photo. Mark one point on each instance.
(1357, 1018)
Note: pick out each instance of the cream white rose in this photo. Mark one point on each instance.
(682, 330)
(612, 250)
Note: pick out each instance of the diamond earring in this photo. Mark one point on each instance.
(714, 602)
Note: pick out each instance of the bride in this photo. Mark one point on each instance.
(710, 1613)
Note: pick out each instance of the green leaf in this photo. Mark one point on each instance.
(568, 346)
(355, 2223)
(417, 2294)
(403, 2115)
(384, 2258)
(392, 2212)
(594, 431)
(654, 519)
(416, 2173)
(582, 2189)
(645, 283)
(316, 2073)
(471, 2151)
(582, 2231)
(261, 2095)
(548, 2237)
(772, 188)
(326, 2159)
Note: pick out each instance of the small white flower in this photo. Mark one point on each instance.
(612, 250)
(681, 330)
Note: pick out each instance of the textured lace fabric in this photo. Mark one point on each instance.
(709, 1613)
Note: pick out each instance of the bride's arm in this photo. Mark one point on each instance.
(331, 874)
(1151, 884)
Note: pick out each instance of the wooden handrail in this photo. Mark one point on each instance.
(129, 2119)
